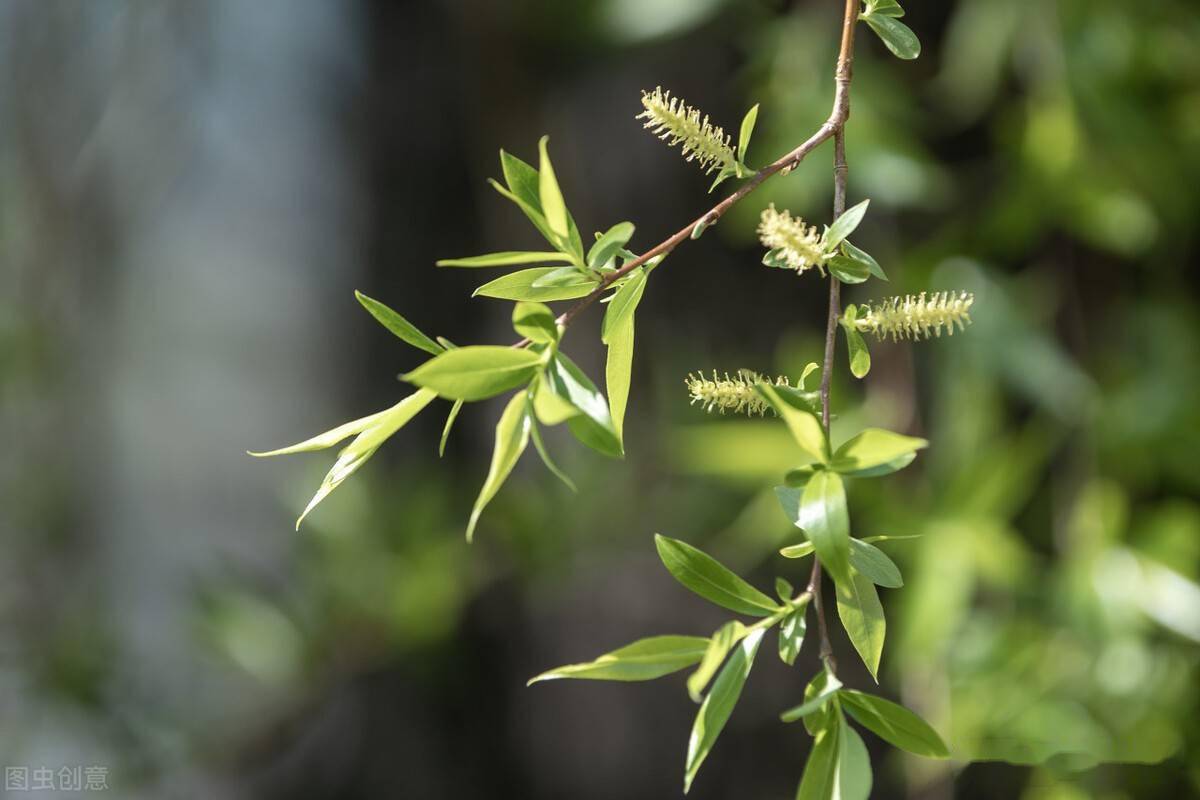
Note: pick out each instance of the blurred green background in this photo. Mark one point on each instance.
(189, 195)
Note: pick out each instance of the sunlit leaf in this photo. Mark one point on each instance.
(608, 245)
(823, 688)
(804, 426)
(875, 448)
(453, 415)
(535, 322)
(548, 192)
(643, 660)
(708, 578)
(854, 764)
(821, 771)
(746, 131)
(719, 645)
(398, 325)
(477, 372)
(823, 518)
(623, 303)
(862, 617)
(719, 704)
(618, 374)
(874, 564)
(894, 723)
(845, 225)
(505, 259)
(791, 634)
(512, 437)
(519, 286)
(594, 426)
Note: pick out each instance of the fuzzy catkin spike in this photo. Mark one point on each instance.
(731, 394)
(675, 122)
(797, 244)
(917, 316)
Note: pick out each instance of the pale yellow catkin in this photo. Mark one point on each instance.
(677, 123)
(735, 394)
(917, 316)
(798, 244)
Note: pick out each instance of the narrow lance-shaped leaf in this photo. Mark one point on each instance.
(540, 446)
(845, 225)
(609, 244)
(644, 660)
(719, 646)
(535, 322)
(512, 437)
(860, 356)
(453, 415)
(854, 764)
(847, 270)
(355, 454)
(324, 440)
(820, 691)
(506, 259)
(477, 372)
(623, 303)
(719, 704)
(551, 196)
(519, 285)
(594, 426)
(874, 565)
(398, 325)
(823, 518)
(804, 426)
(745, 133)
(805, 548)
(858, 254)
(618, 374)
(894, 723)
(710, 579)
(874, 448)
(791, 634)
(862, 617)
(819, 781)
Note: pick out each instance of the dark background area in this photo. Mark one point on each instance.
(189, 195)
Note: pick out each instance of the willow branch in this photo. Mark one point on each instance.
(827, 130)
(842, 111)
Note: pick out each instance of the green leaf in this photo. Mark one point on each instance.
(875, 448)
(522, 180)
(860, 356)
(535, 322)
(797, 550)
(798, 478)
(618, 374)
(864, 557)
(355, 454)
(821, 772)
(708, 578)
(894, 723)
(540, 446)
(477, 372)
(563, 276)
(747, 129)
(717, 707)
(847, 270)
(623, 303)
(887, 538)
(549, 408)
(823, 518)
(884, 8)
(698, 229)
(823, 688)
(784, 590)
(898, 37)
(594, 425)
(862, 617)
(874, 564)
(453, 415)
(804, 426)
(398, 325)
(791, 634)
(548, 192)
(644, 660)
(512, 437)
(719, 646)
(608, 245)
(324, 440)
(845, 225)
(854, 764)
(505, 259)
(519, 285)
(862, 256)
